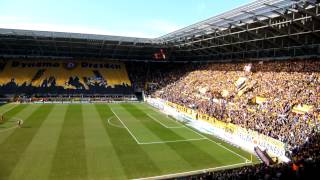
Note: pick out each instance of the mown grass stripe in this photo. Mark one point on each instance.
(163, 118)
(41, 150)
(102, 160)
(9, 127)
(107, 152)
(134, 160)
(5, 107)
(167, 134)
(9, 113)
(70, 157)
(137, 130)
(186, 150)
(210, 137)
(15, 110)
(228, 159)
(165, 158)
(14, 146)
(235, 149)
(181, 130)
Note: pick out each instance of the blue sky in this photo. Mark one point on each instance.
(139, 18)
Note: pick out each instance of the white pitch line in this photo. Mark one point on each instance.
(153, 118)
(204, 137)
(114, 125)
(217, 144)
(192, 172)
(160, 112)
(8, 129)
(163, 142)
(125, 127)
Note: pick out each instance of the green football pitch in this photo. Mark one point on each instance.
(105, 141)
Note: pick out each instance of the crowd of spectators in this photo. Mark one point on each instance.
(95, 84)
(229, 92)
(212, 89)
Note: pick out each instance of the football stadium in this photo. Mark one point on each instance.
(234, 96)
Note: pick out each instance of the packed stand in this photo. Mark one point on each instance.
(47, 77)
(229, 92)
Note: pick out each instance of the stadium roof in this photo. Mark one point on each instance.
(246, 14)
(18, 32)
(14, 42)
(263, 9)
(230, 32)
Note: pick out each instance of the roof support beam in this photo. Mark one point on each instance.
(314, 16)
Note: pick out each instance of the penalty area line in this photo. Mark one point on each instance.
(111, 124)
(153, 118)
(219, 144)
(188, 173)
(161, 112)
(134, 137)
(174, 141)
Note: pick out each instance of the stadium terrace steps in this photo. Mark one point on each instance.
(32, 77)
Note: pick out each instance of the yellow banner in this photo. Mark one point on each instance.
(229, 127)
(260, 100)
(182, 109)
(302, 109)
